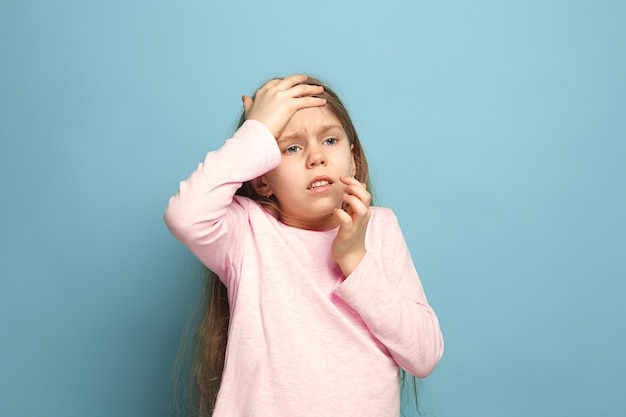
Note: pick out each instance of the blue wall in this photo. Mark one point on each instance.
(496, 131)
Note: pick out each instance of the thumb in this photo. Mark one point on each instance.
(247, 103)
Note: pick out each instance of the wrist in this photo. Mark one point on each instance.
(350, 262)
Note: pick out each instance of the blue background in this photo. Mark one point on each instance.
(495, 129)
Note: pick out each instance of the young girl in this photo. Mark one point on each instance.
(323, 304)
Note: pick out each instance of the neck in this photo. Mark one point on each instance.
(319, 224)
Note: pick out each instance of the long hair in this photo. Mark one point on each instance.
(211, 335)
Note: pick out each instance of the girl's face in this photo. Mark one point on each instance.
(315, 153)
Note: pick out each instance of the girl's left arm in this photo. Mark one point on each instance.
(386, 291)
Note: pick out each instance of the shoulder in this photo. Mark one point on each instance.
(252, 212)
(248, 205)
(383, 226)
(385, 237)
(382, 217)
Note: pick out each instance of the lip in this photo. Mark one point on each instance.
(321, 188)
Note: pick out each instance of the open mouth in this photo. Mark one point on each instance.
(319, 182)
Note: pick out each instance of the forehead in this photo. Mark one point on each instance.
(311, 120)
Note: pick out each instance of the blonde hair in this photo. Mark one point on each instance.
(209, 342)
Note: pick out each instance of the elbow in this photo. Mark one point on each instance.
(176, 222)
(428, 356)
(190, 228)
(429, 362)
(169, 217)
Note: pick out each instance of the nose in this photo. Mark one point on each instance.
(316, 156)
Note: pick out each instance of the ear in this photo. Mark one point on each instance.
(353, 161)
(261, 187)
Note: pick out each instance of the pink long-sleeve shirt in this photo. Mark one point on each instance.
(303, 339)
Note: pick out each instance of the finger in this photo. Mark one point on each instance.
(310, 101)
(361, 193)
(349, 180)
(247, 103)
(292, 80)
(345, 220)
(354, 186)
(271, 83)
(357, 206)
(302, 90)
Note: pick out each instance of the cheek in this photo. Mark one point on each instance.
(350, 167)
(279, 176)
(345, 158)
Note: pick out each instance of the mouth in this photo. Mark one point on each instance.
(319, 182)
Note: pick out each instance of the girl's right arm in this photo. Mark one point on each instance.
(203, 214)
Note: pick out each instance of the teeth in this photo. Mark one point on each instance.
(318, 184)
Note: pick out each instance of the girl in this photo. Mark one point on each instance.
(318, 304)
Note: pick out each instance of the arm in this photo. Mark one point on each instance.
(198, 215)
(386, 291)
(203, 214)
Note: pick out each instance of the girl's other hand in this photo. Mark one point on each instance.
(349, 246)
(276, 102)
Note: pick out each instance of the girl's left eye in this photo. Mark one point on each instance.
(330, 141)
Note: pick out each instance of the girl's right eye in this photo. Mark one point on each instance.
(292, 149)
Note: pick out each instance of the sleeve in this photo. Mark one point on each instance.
(204, 215)
(387, 293)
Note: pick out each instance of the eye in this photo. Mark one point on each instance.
(330, 141)
(291, 149)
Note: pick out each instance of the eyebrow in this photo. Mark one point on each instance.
(321, 130)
